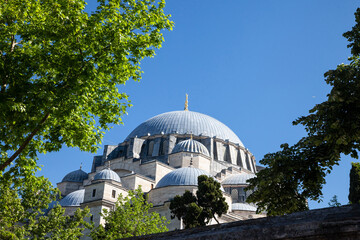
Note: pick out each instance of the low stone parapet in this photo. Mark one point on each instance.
(326, 223)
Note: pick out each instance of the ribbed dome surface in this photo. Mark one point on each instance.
(185, 122)
(243, 207)
(191, 145)
(75, 176)
(107, 174)
(73, 199)
(187, 176)
(237, 179)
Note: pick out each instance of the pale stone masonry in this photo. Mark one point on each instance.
(164, 156)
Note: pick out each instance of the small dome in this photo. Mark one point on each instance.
(75, 176)
(191, 145)
(187, 176)
(243, 207)
(73, 199)
(107, 174)
(238, 179)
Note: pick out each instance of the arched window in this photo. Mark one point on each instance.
(150, 148)
(94, 193)
(142, 151)
(238, 159)
(242, 195)
(234, 195)
(164, 147)
(247, 161)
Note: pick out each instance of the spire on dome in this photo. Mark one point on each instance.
(80, 166)
(186, 108)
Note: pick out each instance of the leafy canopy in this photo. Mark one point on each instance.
(200, 209)
(334, 202)
(24, 201)
(60, 69)
(131, 217)
(354, 190)
(296, 173)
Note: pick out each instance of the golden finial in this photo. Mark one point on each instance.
(186, 108)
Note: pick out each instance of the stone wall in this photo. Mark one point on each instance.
(327, 223)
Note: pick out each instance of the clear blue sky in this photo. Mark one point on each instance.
(254, 65)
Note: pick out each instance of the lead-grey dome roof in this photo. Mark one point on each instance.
(73, 199)
(187, 176)
(107, 174)
(185, 122)
(75, 176)
(242, 207)
(191, 145)
(238, 179)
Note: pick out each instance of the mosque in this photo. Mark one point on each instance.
(165, 155)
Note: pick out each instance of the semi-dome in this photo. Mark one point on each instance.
(238, 179)
(191, 145)
(242, 207)
(185, 122)
(107, 174)
(75, 176)
(73, 199)
(187, 176)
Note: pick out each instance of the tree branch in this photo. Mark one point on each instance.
(216, 219)
(25, 143)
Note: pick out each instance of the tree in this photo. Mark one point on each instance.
(354, 190)
(59, 72)
(297, 173)
(60, 68)
(24, 203)
(130, 218)
(200, 209)
(334, 202)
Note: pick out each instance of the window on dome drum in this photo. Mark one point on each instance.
(247, 161)
(227, 157)
(234, 195)
(238, 159)
(94, 192)
(242, 195)
(150, 148)
(113, 193)
(142, 151)
(165, 147)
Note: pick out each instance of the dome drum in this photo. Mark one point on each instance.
(157, 137)
(161, 147)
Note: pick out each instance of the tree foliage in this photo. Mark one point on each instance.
(354, 190)
(24, 202)
(296, 173)
(131, 217)
(200, 209)
(60, 68)
(334, 202)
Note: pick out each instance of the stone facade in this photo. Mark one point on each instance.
(148, 156)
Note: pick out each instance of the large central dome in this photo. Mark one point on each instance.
(185, 122)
